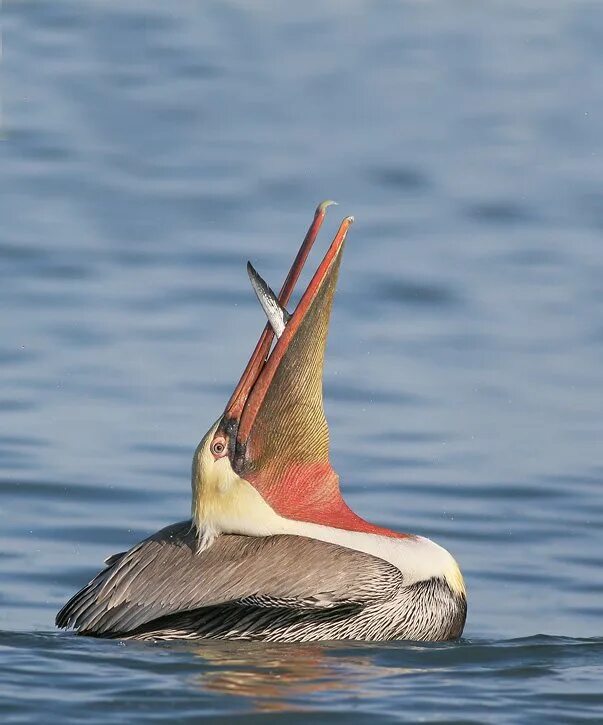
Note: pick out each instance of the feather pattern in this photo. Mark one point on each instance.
(274, 588)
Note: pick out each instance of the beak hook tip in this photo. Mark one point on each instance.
(322, 207)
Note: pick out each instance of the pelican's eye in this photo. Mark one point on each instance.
(219, 447)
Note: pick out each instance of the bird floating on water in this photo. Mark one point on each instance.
(272, 552)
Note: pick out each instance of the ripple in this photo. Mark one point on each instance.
(74, 493)
(401, 178)
(122, 681)
(500, 212)
(409, 292)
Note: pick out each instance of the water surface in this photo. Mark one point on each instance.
(148, 151)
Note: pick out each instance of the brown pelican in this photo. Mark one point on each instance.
(272, 552)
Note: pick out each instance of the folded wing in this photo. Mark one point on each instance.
(165, 584)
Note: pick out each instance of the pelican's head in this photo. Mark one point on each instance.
(269, 451)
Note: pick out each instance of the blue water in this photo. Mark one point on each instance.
(149, 150)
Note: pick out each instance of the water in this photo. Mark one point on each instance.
(149, 150)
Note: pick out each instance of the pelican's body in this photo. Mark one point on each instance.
(272, 552)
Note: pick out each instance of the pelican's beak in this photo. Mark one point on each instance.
(274, 420)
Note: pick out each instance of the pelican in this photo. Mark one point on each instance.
(272, 552)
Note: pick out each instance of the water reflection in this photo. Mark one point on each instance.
(279, 677)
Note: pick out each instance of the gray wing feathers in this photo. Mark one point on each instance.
(165, 575)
